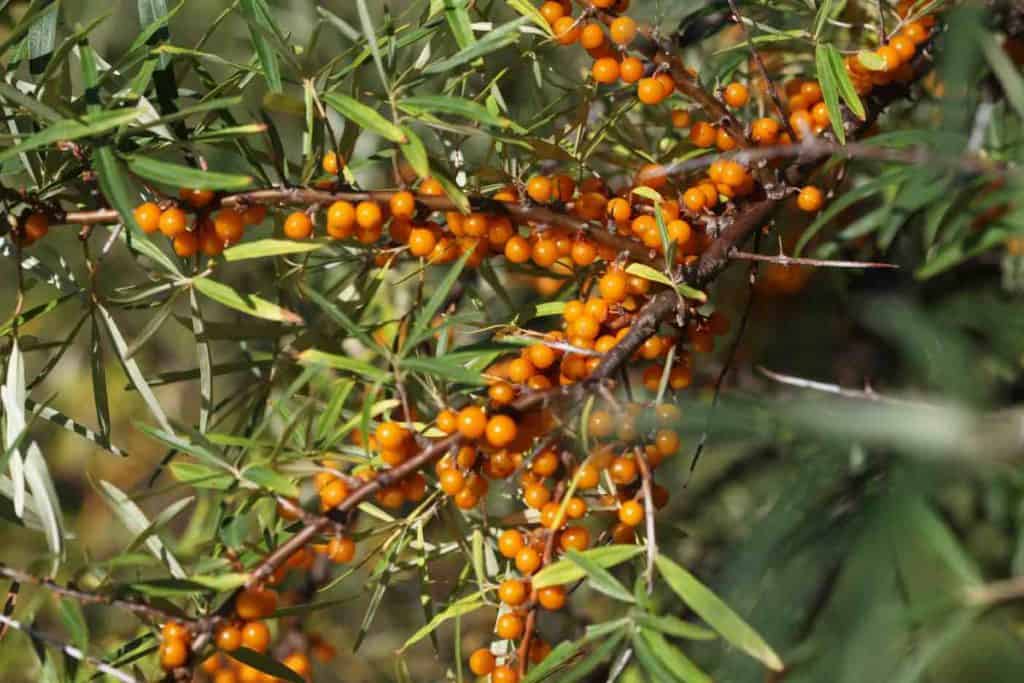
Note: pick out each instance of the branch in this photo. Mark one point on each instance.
(784, 260)
(652, 543)
(69, 650)
(866, 394)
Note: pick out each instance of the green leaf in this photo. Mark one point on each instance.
(503, 36)
(415, 153)
(456, 106)
(461, 606)
(177, 175)
(165, 516)
(201, 476)
(567, 571)
(582, 669)
(73, 618)
(556, 659)
(600, 579)
(135, 520)
(845, 85)
(366, 23)
(528, 10)
(829, 90)
(266, 664)
(360, 367)
(339, 316)
(71, 129)
(440, 295)
(674, 660)
(1005, 70)
(256, 14)
(268, 247)
(716, 613)
(249, 304)
(822, 16)
(674, 626)
(42, 38)
(364, 117)
(444, 369)
(266, 478)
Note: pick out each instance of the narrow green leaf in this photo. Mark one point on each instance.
(503, 36)
(339, 316)
(426, 314)
(177, 175)
(600, 579)
(567, 571)
(458, 608)
(676, 627)
(255, 13)
(555, 660)
(456, 106)
(829, 90)
(366, 23)
(135, 520)
(165, 516)
(716, 613)
(71, 129)
(249, 304)
(370, 372)
(444, 369)
(845, 84)
(415, 153)
(674, 660)
(267, 248)
(271, 480)
(364, 117)
(1005, 70)
(204, 359)
(266, 664)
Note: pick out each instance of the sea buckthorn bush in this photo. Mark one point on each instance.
(516, 341)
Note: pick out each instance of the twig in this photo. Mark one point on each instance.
(784, 260)
(995, 592)
(866, 394)
(652, 543)
(69, 650)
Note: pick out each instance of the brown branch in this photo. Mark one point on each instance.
(784, 260)
(652, 543)
(866, 394)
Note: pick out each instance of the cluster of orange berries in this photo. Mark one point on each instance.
(210, 234)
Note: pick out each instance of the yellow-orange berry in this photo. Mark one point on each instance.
(501, 431)
(509, 626)
(809, 199)
(736, 95)
(650, 91)
(402, 204)
(631, 513)
(298, 226)
(605, 70)
(481, 662)
(622, 30)
(510, 542)
(256, 636)
(540, 189)
(148, 216)
(173, 654)
(631, 70)
(566, 30)
(172, 222)
(512, 592)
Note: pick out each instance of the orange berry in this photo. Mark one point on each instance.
(256, 636)
(255, 603)
(540, 189)
(298, 226)
(517, 249)
(447, 421)
(904, 46)
(228, 225)
(915, 32)
(196, 198)
(819, 114)
(421, 242)
(536, 496)
(332, 495)
(650, 91)
(631, 70)
(545, 252)
(186, 244)
(694, 199)
(733, 173)
(631, 513)
(172, 222)
(510, 542)
(576, 537)
(147, 216)
(509, 626)
(527, 560)
(368, 215)
(667, 442)
(680, 118)
(587, 476)
(472, 422)
(452, 482)
(402, 204)
(341, 549)
(431, 187)
(504, 674)
(330, 163)
(809, 199)
(605, 70)
(702, 134)
(736, 95)
(552, 11)
(228, 637)
(765, 131)
(566, 30)
(173, 654)
(551, 597)
(623, 471)
(541, 356)
(592, 36)
(801, 122)
(298, 662)
(391, 435)
(622, 30)
(512, 592)
(501, 431)
(481, 662)
(811, 92)
(174, 630)
(254, 214)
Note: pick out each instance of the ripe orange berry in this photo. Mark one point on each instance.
(733, 173)
(583, 253)
(228, 225)
(916, 32)
(551, 597)
(341, 220)
(501, 431)
(229, 637)
(254, 214)
(612, 286)
(431, 187)
(510, 542)
(298, 662)
(650, 91)
(566, 30)
(368, 215)
(623, 534)
(173, 654)
(540, 189)
(904, 47)
(667, 442)
(504, 674)
(147, 216)
(541, 356)
(527, 560)
(517, 249)
(330, 163)
(481, 662)
(694, 199)
(702, 134)
(196, 198)
(512, 592)
(765, 131)
(575, 537)
(256, 636)
(623, 471)
(811, 92)
(587, 476)
(391, 435)
(298, 226)
(186, 244)
(174, 630)
(472, 422)
(890, 57)
(592, 36)
(402, 204)
(341, 549)
(421, 242)
(631, 513)
(809, 199)
(332, 495)
(545, 252)
(255, 603)
(631, 70)
(452, 482)
(536, 496)
(622, 30)
(552, 11)
(736, 95)
(680, 118)
(172, 222)
(605, 70)
(509, 626)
